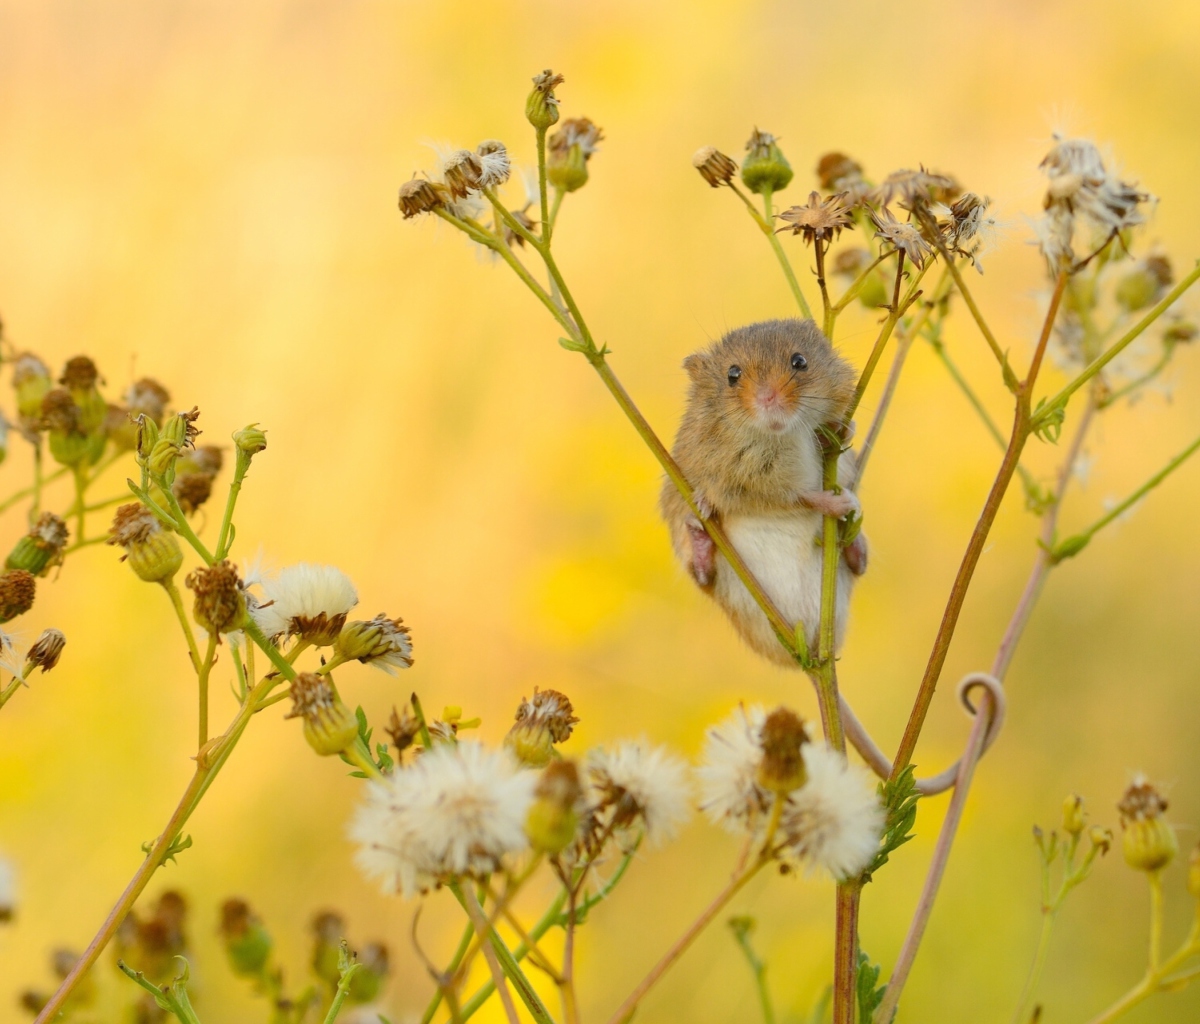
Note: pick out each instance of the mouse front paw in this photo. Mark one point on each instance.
(703, 563)
(828, 503)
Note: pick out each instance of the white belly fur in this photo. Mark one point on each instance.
(783, 554)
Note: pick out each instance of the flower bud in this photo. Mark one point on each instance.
(765, 168)
(541, 109)
(421, 196)
(247, 942)
(367, 982)
(31, 380)
(149, 398)
(150, 548)
(17, 591)
(714, 166)
(571, 147)
(464, 173)
(1101, 838)
(41, 548)
(251, 440)
(69, 443)
(1149, 841)
(46, 651)
(381, 642)
(403, 728)
(1073, 815)
(220, 605)
(781, 769)
(329, 726)
(79, 378)
(553, 817)
(542, 721)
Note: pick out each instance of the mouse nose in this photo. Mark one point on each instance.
(769, 397)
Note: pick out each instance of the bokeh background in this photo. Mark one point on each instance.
(205, 192)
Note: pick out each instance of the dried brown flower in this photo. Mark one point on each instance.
(421, 196)
(47, 649)
(836, 170)
(60, 413)
(192, 490)
(463, 171)
(782, 767)
(79, 374)
(903, 235)
(220, 605)
(17, 591)
(714, 166)
(819, 219)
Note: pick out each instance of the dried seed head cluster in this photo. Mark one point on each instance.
(543, 721)
(634, 788)
(220, 604)
(41, 549)
(832, 819)
(1149, 841)
(329, 726)
(151, 550)
(459, 809)
(308, 601)
(819, 219)
(17, 591)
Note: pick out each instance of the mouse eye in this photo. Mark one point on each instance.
(799, 362)
(735, 374)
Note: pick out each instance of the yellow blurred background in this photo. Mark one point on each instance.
(205, 192)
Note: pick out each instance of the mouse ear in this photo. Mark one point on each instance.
(694, 364)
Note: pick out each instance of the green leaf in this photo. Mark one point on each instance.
(869, 997)
(899, 799)
(178, 845)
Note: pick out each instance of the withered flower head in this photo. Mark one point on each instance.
(383, 642)
(464, 173)
(403, 727)
(577, 131)
(148, 396)
(17, 591)
(522, 217)
(247, 942)
(421, 196)
(917, 188)
(46, 650)
(132, 524)
(836, 171)
(544, 720)
(781, 769)
(819, 219)
(151, 550)
(714, 166)
(79, 374)
(192, 490)
(904, 236)
(495, 164)
(42, 547)
(329, 726)
(220, 605)
(27, 367)
(207, 458)
(59, 412)
(1149, 841)
(541, 108)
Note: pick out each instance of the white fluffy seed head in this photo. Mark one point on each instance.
(634, 783)
(834, 820)
(458, 810)
(729, 791)
(307, 600)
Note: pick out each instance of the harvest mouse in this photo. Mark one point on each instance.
(749, 446)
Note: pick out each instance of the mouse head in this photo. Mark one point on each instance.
(774, 377)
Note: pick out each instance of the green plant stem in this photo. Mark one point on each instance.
(177, 1002)
(1010, 380)
(343, 989)
(80, 473)
(845, 952)
(38, 469)
(210, 656)
(898, 310)
(1156, 918)
(500, 960)
(767, 229)
(185, 528)
(463, 943)
(857, 284)
(759, 969)
(1073, 545)
(559, 196)
(1060, 399)
(1039, 965)
(184, 623)
(207, 769)
(827, 316)
(10, 689)
(1022, 427)
(225, 536)
(360, 757)
(547, 224)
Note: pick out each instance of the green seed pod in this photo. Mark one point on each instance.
(765, 168)
(329, 726)
(247, 942)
